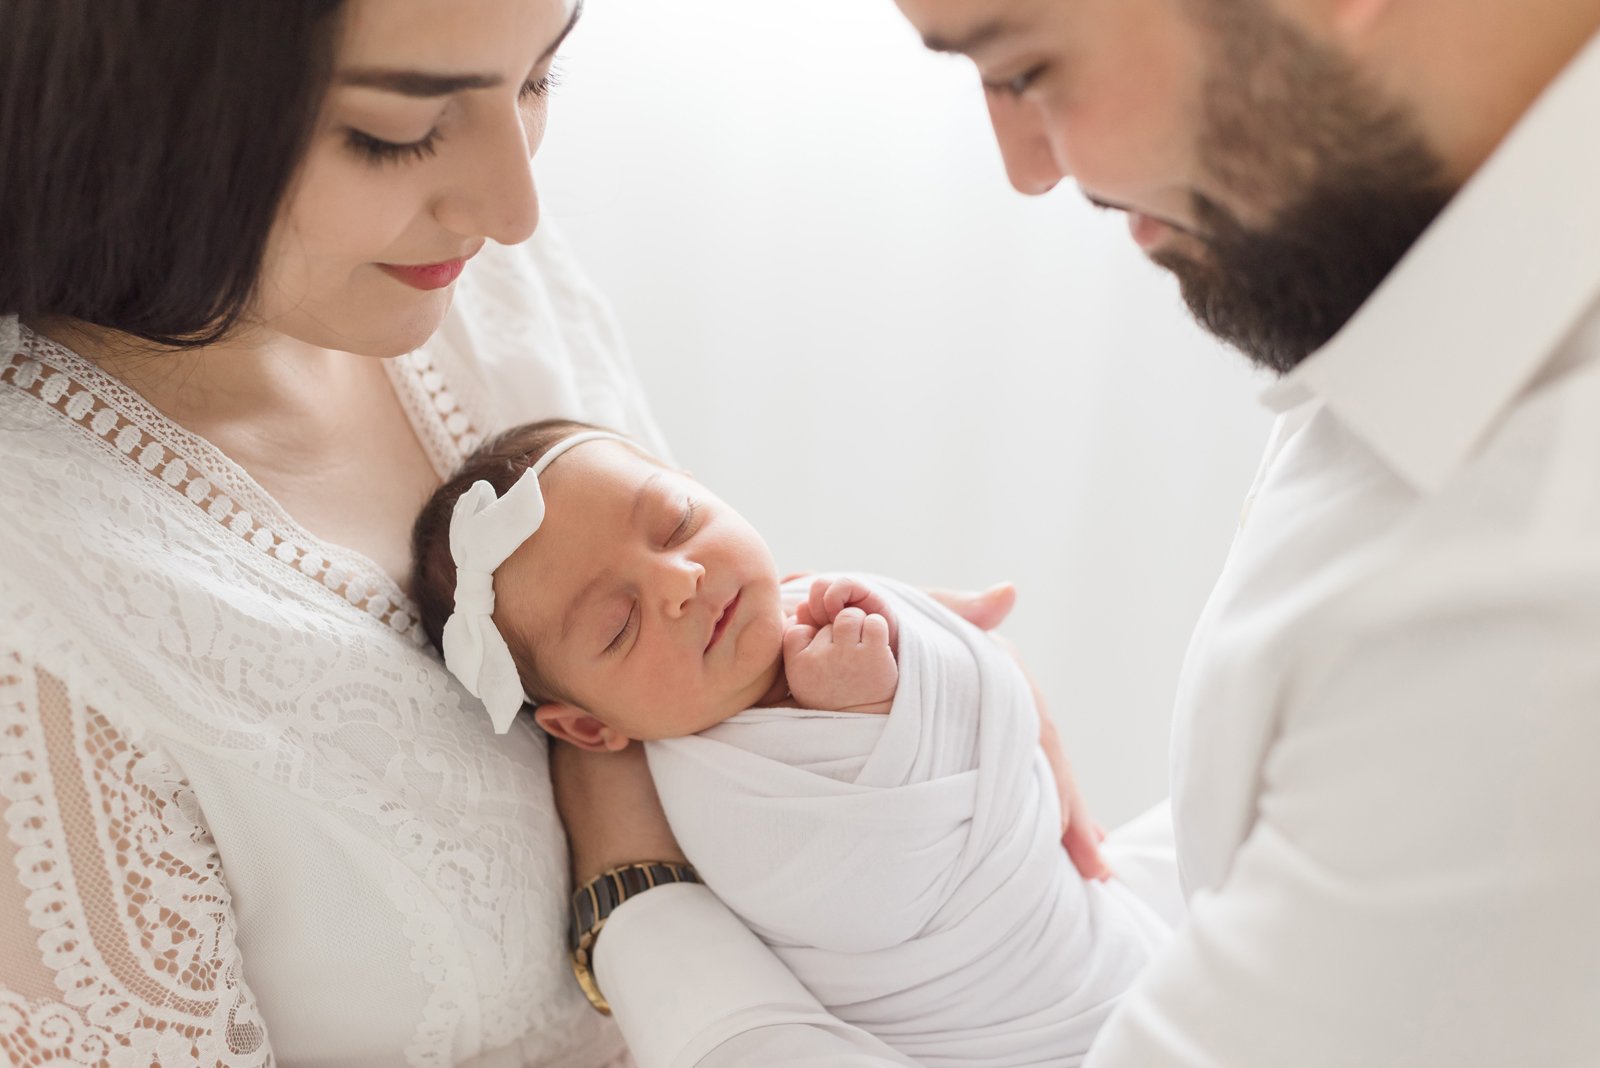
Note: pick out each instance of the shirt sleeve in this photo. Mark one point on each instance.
(116, 927)
(691, 986)
(1420, 884)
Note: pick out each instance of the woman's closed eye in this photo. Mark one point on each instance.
(537, 87)
(377, 150)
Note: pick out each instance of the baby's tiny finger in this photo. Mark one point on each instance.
(843, 593)
(875, 630)
(798, 638)
(818, 603)
(847, 626)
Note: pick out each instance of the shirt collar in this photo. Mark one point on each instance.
(1456, 332)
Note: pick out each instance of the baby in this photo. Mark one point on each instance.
(860, 779)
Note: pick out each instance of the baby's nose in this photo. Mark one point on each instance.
(683, 581)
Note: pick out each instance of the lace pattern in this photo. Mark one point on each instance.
(447, 429)
(181, 593)
(96, 820)
(121, 422)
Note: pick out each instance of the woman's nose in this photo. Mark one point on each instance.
(1019, 126)
(493, 194)
(679, 581)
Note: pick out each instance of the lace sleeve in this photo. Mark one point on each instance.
(116, 928)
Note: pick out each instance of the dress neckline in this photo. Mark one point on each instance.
(123, 424)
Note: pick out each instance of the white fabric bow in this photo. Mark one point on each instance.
(484, 532)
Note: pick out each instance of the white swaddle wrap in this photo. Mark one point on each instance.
(908, 868)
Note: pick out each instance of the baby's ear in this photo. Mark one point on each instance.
(573, 724)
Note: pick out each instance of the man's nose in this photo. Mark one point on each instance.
(679, 579)
(1019, 126)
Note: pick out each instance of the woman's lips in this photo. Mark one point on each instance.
(427, 276)
(723, 621)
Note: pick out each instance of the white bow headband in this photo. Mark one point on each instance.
(484, 532)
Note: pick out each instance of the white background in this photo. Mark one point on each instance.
(854, 331)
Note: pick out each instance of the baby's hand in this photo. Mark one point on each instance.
(829, 597)
(847, 666)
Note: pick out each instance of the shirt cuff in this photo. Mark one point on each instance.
(683, 975)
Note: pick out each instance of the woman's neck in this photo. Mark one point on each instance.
(254, 376)
(321, 431)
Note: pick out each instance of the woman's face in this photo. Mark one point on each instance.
(420, 155)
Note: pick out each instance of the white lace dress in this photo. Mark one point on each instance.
(249, 818)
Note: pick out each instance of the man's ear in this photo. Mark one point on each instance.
(572, 724)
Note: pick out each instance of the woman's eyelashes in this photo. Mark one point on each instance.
(537, 87)
(376, 150)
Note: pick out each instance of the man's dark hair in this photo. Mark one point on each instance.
(145, 149)
(499, 462)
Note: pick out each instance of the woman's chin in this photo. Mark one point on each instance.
(380, 329)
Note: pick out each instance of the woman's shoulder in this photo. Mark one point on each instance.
(529, 336)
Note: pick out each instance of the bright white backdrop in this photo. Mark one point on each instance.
(855, 332)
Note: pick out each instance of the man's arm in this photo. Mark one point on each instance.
(691, 986)
(1422, 883)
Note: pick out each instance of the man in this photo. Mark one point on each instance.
(1384, 785)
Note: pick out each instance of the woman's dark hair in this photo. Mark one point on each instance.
(499, 462)
(145, 149)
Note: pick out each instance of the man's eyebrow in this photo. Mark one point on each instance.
(424, 84)
(971, 42)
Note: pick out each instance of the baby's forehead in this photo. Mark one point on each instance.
(595, 504)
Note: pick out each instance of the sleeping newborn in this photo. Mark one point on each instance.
(852, 769)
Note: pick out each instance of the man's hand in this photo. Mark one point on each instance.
(1080, 834)
(846, 666)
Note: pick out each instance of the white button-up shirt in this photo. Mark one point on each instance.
(1386, 780)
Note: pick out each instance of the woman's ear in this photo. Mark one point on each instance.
(572, 724)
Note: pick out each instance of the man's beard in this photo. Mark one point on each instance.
(1345, 176)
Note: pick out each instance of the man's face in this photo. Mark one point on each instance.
(1256, 163)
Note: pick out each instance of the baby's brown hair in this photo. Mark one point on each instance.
(500, 462)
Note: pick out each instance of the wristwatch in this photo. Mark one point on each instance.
(596, 900)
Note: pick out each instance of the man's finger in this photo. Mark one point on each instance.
(986, 610)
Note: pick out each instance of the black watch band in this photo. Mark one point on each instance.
(595, 901)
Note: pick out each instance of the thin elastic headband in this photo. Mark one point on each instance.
(484, 532)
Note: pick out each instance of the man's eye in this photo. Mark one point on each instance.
(622, 635)
(1017, 85)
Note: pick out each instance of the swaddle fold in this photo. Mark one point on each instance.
(907, 868)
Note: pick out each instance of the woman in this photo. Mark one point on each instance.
(250, 818)
(228, 755)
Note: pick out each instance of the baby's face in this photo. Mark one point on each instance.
(651, 603)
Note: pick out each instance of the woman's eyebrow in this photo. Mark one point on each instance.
(418, 83)
(424, 84)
